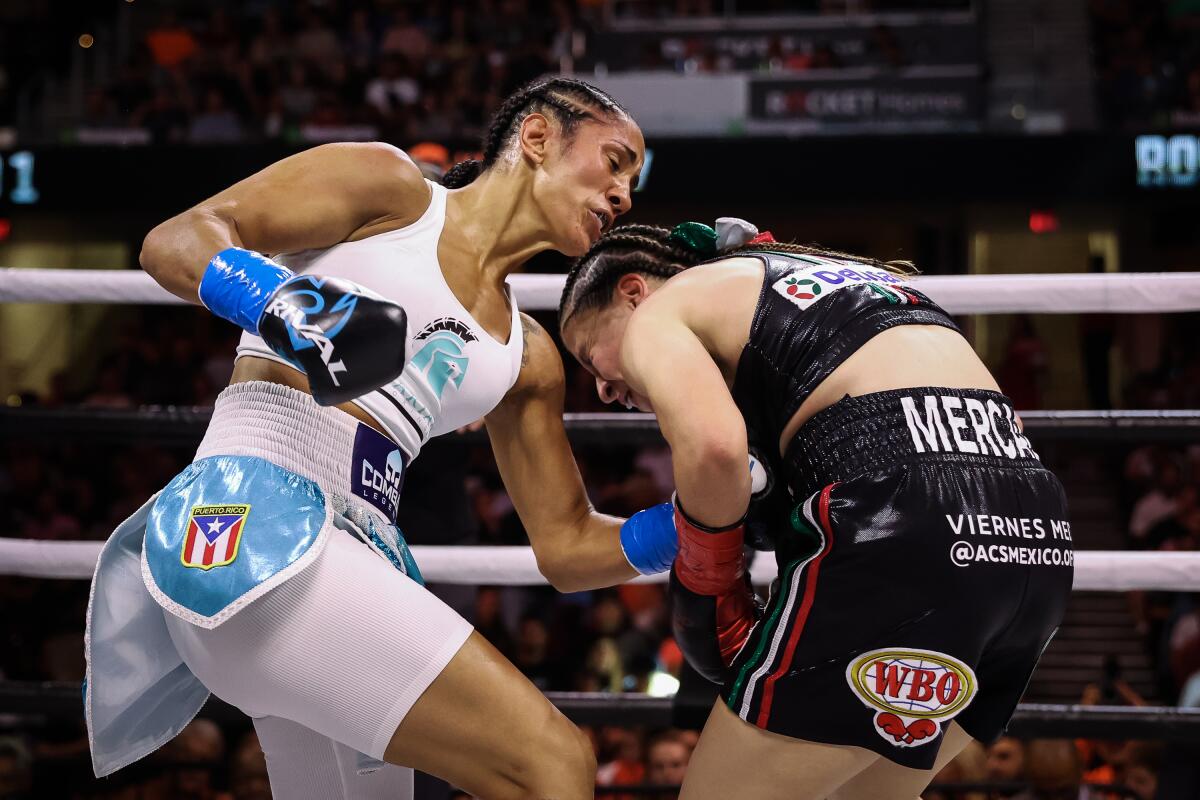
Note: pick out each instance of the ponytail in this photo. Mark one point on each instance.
(462, 173)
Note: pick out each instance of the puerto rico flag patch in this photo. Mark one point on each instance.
(213, 535)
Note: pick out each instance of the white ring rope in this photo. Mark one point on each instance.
(1095, 570)
(1074, 293)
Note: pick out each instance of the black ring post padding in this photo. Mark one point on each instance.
(63, 700)
(600, 708)
(1005, 788)
(1165, 723)
(185, 425)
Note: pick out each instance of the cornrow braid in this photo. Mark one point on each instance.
(648, 250)
(567, 100)
(895, 267)
(644, 249)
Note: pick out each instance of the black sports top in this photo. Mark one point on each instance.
(813, 313)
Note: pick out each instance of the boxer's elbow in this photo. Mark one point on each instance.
(165, 257)
(568, 570)
(553, 567)
(155, 253)
(176, 252)
(556, 569)
(580, 551)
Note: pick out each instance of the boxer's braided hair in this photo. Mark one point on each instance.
(644, 249)
(651, 250)
(566, 100)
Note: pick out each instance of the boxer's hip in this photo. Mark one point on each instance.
(275, 477)
(257, 504)
(925, 527)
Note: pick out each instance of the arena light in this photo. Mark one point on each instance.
(1043, 221)
(662, 684)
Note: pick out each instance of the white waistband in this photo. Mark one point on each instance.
(287, 428)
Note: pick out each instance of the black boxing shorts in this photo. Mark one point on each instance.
(927, 565)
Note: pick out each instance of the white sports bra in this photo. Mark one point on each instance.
(456, 372)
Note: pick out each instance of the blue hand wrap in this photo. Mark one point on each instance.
(648, 539)
(238, 283)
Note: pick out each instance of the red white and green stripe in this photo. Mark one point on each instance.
(893, 294)
(753, 690)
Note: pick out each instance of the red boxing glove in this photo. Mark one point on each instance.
(710, 593)
(710, 560)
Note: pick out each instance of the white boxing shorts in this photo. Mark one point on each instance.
(346, 646)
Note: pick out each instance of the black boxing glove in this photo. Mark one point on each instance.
(346, 339)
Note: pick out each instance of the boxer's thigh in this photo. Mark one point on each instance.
(485, 728)
(304, 764)
(884, 779)
(345, 648)
(736, 759)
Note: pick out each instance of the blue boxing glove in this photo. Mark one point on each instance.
(300, 317)
(648, 539)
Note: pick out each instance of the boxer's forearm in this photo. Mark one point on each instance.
(576, 547)
(587, 556)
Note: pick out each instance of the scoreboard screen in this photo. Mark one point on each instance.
(1168, 161)
(16, 178)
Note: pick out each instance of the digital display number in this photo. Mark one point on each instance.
(1167, 160)
(16, 178)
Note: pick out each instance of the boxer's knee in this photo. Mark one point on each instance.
(560, 762)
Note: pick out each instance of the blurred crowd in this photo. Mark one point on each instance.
(404, 72)
(1147, 55)
(225, 72)
(1053, 769)
(400, 71)
(224, 761)
(211, 761)
(1163, 483)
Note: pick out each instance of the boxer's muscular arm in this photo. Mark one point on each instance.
(316, 198)
(662, 359)
(576, 547)
(712, 606)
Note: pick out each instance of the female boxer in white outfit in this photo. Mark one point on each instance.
(287, 589)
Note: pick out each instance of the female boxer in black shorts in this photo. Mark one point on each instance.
(924, 554)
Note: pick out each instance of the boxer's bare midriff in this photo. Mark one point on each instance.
(903, 357)
(249, 368)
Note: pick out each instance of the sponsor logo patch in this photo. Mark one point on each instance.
(213, 535)
(442, 358)
(307, 295)
(913, 692)
(948, 424)
(807, 286)
(378, 472)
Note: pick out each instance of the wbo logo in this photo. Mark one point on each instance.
(213, 535)
(441, 359)
(913, 692)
